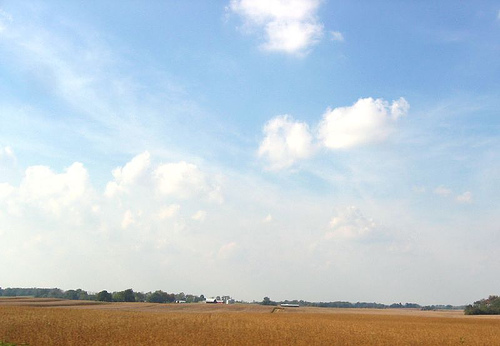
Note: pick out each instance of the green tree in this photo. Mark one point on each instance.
(158, 297)
(124, 296)
(268, 301)
(488, 306)
(129, 295)
(104, 296)
(71, 294)
(140, 297)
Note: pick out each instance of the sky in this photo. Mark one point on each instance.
(296, 149)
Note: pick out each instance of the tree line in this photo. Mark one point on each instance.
(361, 305)
(127, 295)
(488, 306)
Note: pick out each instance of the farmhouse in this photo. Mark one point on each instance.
(213, 300)
(288, 305)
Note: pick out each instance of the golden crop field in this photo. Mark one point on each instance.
(56, 322)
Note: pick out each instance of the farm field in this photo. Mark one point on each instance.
(59, 322)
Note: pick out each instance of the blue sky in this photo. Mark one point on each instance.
(300, 149)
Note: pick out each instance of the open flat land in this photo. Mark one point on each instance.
(60, 322)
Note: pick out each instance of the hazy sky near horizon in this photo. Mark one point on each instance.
(296, 149)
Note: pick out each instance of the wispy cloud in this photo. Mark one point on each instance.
(5, 19)
(84, 73)
(290, 26)
(465, 197)
(200, 215)
(442, 191)
(6, 153)
(336, 36)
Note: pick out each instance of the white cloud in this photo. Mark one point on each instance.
(290, 26)
(367, 121)
(268, 218)
(128, 219)
(169, 211)
(5, 190)
(285, 142)
(442, 191)
(200, 215)
(399, 108)
(466, 197)
(185, 180)
(180, 180)
(336, 36)
(130, 174)
(351, 224)
(7, 153)
(54, 192)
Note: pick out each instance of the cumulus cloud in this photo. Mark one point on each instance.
(47, 194)
(5, 190)
(128, 219)
(133, 202)
(130, 174)
(336, 36)
(351, 224)
(54, 192)
(285, 142)
(185, 180)
(367, 121)
(48, 212)
(290, 26)
(181, 180)
(466, 197)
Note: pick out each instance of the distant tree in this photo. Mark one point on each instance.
(124, 296)
(489, 306)
(268, 301)
(180, 296)
(129, 295)
(396, 306)
(140, 297)
(158, 297)
(82, 295)
(170, 298)
(55, 293)
(104, 296)
(71, 294)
